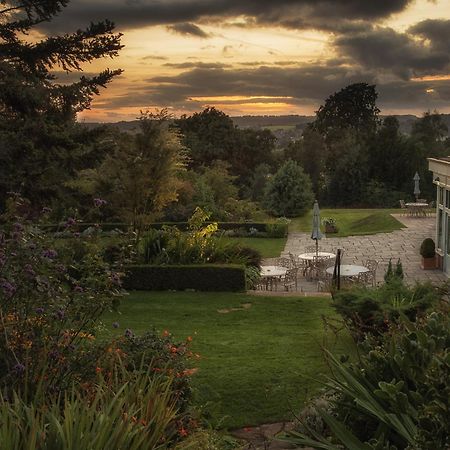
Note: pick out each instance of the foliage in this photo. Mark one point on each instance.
(394, 275)
(371, 310)
(140, 414)
(140, 176)
(396, 396)
(428, 248)
(289, 192)
(352, 107)
(37, 113)
(201, 277)
(329, 221)
(278, 229)
(48, 316)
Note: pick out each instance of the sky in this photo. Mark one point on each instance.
(267, 57)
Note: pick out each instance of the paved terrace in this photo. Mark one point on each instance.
(403, 244)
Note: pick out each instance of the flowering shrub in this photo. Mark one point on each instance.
(51, 297)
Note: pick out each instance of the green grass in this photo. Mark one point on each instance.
(268, 247)
(257, 364)
(352, 222)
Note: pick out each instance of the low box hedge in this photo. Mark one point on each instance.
(205, 277)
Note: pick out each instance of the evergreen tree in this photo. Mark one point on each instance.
(41, 146)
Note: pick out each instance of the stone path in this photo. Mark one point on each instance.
(403, 244)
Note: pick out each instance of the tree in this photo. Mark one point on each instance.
(289, 192)
(208, 135)
(310, 153)
(38, 135)
(352, 107)
(141, 176)
(347, 178)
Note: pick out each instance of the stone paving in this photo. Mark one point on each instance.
(403, 244)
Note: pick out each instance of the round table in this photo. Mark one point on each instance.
(417, 209)
(348, 270)
(312, 255)
(273, 271)
(271, 275)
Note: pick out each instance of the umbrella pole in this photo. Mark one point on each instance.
(317, 248)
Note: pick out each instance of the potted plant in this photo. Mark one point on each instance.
(428, 252)
(330, 225)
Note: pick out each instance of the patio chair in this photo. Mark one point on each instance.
(403, 207)
(310, 249)
(370, 276)
(284, 262)
(290, 279)
(431, 208)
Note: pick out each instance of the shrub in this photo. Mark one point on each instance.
(139, 414)
(206, 277)
(427, 248)
(289, 192)
(277, 230)
(371, 310)
(394, 397)
(51, 299)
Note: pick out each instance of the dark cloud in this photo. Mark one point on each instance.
(299, 86)
(437, 32)
(320, 14)
(188, 29)
(398, 53)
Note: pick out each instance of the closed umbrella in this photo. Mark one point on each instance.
(316, 234)
(416, 185)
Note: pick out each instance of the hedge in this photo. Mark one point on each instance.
(205, 277)
(263, 227)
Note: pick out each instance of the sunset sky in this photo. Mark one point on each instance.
(268, 57)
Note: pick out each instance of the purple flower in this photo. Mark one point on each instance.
(39, 311)
(59, 314)
(49, 253)
(28, 269)
(116, 325)
(61, 268)
(78, 289)
(18, 227)
(54, 354)
(19, 369)
(9, 289)
(98, 202)
(128, 333)
(70, 222)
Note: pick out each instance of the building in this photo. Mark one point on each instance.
(441, 178)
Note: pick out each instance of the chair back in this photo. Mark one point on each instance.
(310, 248)
(402, 204)
(371, 264)
(284, 262)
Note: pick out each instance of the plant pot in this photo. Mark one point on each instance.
(331, 229)
(428, 263)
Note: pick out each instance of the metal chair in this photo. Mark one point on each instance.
(370, 276)
(284, 262)
(290, 279)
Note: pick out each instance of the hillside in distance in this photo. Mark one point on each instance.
(292, 125)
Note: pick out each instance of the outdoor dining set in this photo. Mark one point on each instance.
(317, 267)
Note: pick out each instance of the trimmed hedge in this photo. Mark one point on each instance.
(205, 277)
(273, 229)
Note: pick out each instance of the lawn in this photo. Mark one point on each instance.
(268, 247)
(352, 222)
(257, 363)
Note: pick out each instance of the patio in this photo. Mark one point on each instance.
(403, 244)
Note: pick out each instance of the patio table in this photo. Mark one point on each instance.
(348, 270)
(272, 274)
(417, 209)
(312, 255)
